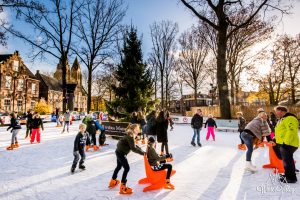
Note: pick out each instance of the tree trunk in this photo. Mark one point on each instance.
(236, 93)
(196, 95)
(89, 99)
(221, 72)
(232, 89)
(64, 80)
(162, 89)
(293, 91)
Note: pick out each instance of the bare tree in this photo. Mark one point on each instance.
(192, 57)
(97, 27)
(219, 16)
(53, 25)
(163, 36)
(239, 55)
(289, 55)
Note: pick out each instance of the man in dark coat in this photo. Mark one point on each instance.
(197, 123)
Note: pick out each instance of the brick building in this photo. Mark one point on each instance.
(19, 88)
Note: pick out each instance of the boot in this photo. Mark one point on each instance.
(249, 167)
(193, 143)
(16, 145)
(169, 157)
(72, 170)
(82, 167)
(162, 153)
(11, 147)
(124, 189)
(168, 185)
(113, 183)
(199, 144)
(95, 148)
(242, 147)
(143, 141)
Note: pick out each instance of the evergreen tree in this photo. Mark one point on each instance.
(134, 89)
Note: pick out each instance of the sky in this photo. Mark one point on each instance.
(142, 13)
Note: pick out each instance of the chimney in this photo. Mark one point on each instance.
(37, 71)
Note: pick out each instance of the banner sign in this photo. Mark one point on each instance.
(115, 128)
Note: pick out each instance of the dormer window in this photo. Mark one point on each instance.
(16, 65)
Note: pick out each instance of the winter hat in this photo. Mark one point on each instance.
(151, 140)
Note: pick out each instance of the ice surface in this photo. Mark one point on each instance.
(214, 171)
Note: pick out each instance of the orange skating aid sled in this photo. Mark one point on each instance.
(157, 179)
(275, 162)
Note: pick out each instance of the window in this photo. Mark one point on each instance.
(19, 104)
(21, 84)
(7, 81)
(16, 65)
(33, 88)
(7, 106)
(32, 105)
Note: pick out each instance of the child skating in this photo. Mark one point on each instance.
(158, 163)
(124, 146)
(78, 151)
(210, 124)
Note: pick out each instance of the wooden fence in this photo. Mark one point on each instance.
(249, 111)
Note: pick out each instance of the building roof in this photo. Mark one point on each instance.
(4, 57)
(52, 83)
(75, 65)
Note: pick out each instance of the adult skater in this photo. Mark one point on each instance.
(151, 125)
(197, 124)
(28, 124)
(286, 135)
(255, 129)
(162, 132)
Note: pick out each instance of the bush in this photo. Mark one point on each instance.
(42, 107)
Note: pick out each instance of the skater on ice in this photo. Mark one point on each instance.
(197, 124)
(254, 131)
(211, 125)
(15, 128)
(124, 146)
(162, 132)
(36, 125)
(287, 138)
(241, 127)
(78, 150)
(158, 163)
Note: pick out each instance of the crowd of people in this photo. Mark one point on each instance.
(280, 129)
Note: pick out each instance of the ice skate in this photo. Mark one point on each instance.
(11, 147)
(168, 185)
(82, 167)
(124, 189)
(199, 144)
(113, 183)
(249, 167)
(96, 148)
(16, 145)
(193, 143)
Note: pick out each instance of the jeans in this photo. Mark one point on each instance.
(121, 162)
(68, 124)
(248, 139)
(14, 135)
(76, 158)
(163, 167)
(196, 133)
(287, 152)
(242, 141)
(93, 136)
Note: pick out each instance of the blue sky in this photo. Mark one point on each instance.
(142, 13)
